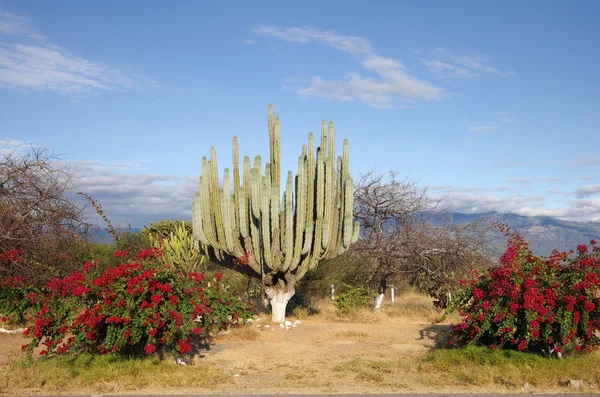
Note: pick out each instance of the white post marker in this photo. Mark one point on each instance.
(393, 295)
(332, 292)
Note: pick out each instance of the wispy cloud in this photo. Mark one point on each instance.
(394, 87)
(507, 164)
(587, 191)
(17, 25)
(506, 118)
(585, 161)
(35, 64)
(14, 146)
(482, 128)
(446, 64)
(520, 181)
(445, 70)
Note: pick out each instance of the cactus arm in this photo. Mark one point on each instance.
(289, 223)
(226, 211)
(300, 212)
(235, 159)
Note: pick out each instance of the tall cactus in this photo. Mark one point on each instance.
(280, 236)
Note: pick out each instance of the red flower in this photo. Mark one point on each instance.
(4, 319)
(184, 346)
(589, 306)
(156, 299)
(196, 331)
(149, 349)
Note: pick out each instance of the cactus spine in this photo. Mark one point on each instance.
(288, 234)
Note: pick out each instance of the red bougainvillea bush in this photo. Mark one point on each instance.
(133, 308)
(530, 303)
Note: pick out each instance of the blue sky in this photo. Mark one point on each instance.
(495, 104)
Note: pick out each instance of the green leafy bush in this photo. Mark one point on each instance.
(353, 298)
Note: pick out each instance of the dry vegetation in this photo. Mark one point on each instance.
(398, 349)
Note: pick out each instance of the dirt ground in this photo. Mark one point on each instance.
(301, 359)
(307, 358)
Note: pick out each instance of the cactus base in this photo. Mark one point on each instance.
(279, 298)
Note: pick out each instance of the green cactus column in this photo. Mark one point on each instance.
(280, 236)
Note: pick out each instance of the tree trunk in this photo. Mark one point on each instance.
(279, 298)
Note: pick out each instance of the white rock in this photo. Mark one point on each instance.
(258, 326)
(281, 325)
(180, 361)
(267, 326)
(575, 383)
(249, 321)
(296, 323)
(288, 323)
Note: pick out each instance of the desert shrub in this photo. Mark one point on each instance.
(353, 298)
(178, 246)
(530, 303)
(135, 307)
(37, 215)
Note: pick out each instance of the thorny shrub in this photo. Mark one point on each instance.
(530, 303)
(133, 308)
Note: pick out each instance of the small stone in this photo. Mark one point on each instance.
(296, 323)
(258, 326)
(267, 326)
(575, 383)
(526, 386)
(249, 321)
(180, 361)
(288, 323)
(281, 325)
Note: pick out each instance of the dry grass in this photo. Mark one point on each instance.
(412, 306)
(351, 335)
(245, 333)
(476, 368)
(105, 374)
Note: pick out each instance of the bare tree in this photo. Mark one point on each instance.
(407, 233)
(37, 217)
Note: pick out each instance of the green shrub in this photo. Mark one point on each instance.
(353, 298)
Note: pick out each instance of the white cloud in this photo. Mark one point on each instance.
(482, 128)
(444, 70)
(393, 87)
(14, 145)
(446, 64)
(587, 191)
(13, 25)
(133, 197)
(35, 64)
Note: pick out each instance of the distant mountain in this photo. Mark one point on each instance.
(544, 233)
(102, 236)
